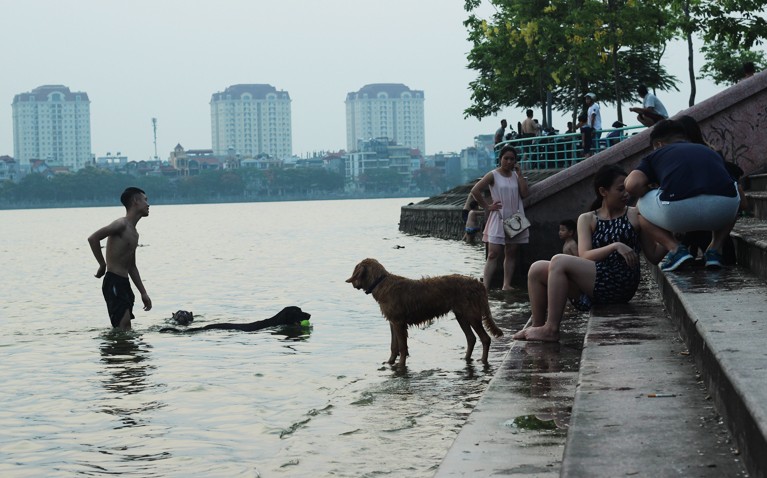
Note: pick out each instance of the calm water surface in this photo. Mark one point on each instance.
(81, 399)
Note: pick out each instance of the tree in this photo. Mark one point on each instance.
(381, 180)
(551, 52)
(733, 22)
(725, 65)
(723, 25)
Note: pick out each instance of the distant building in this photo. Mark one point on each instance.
(381, 154)
(8, 169)
(251, 120)
(389, 110)
(192, 161)
(112, 162)
(53, 124)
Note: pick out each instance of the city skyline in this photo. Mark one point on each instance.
(144, 60)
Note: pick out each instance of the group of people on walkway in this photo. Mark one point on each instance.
(681, 186)
(590, 122)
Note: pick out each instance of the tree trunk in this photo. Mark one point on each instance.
(616, 80)
(690, 65)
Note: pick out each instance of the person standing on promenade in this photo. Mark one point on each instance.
(592, 129)
(120, 263)
(695, 192)
(529, 127)
(749, 69)
(652, 109)
(507, 188)
(606, 270)
(500, 132)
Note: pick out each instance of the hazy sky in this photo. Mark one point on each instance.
(141, 59)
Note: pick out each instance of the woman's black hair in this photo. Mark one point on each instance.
(505, 150)
(692, 129)
(604, 178)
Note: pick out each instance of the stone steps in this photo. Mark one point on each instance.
(695, 334)
(721, 316)
(641, 408)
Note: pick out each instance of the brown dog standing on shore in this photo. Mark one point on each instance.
(406, 302)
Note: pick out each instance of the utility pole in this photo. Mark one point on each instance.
(154, 129)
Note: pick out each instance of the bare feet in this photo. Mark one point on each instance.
(540, 334)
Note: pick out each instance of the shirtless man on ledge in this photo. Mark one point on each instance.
(120, 264)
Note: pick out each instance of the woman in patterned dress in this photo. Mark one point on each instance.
(507, 188)
(606, 270)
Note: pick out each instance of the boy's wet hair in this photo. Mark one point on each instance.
(126, 198)
(569, 224)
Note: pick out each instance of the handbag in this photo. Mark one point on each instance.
(515, 224)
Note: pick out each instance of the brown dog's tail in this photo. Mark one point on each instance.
(487, 318)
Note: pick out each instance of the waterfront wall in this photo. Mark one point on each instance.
(733, 122)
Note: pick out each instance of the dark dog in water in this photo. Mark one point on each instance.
(290, 315)
(182, 317)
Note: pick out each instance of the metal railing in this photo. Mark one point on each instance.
(562, 150)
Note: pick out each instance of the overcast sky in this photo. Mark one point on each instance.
(141, 59)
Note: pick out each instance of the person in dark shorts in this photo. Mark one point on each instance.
(119, 267)
(118, 296)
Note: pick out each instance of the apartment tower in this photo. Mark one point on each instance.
(251, 120)
(385, 110)
(52, 123)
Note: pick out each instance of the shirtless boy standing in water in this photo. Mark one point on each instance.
(122, 240)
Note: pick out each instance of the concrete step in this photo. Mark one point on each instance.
(750, 238)
(757, 182)
(519, 426)
(757, 204)
(722, 317)
(632, 351)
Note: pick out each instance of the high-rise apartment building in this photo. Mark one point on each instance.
(251, 120)
(385, 110)
(53, 124)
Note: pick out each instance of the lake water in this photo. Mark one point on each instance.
(81, 399)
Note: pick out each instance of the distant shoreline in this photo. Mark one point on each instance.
(166, 201)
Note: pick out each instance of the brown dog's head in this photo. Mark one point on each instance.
(367, 274)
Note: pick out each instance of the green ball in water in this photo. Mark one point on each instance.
(305, 323)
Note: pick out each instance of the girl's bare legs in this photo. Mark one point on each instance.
(537, 287)
(509, 263)
(568, 276)
(494, 251)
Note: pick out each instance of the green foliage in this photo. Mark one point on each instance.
(725, 65)
(729, 29)
(382, 180)
(529, 49)
(738, 23)
(98, 186)
(430, 179)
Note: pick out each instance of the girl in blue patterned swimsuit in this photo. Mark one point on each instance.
(607, 267)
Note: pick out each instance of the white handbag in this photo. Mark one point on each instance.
(515, 224)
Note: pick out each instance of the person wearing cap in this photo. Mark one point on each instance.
(652, 109)
(616, 135)
(591, 129)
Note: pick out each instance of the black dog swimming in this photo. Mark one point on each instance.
(182, 317)
(290, 315)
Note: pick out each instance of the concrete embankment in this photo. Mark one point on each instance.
(672, 384)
